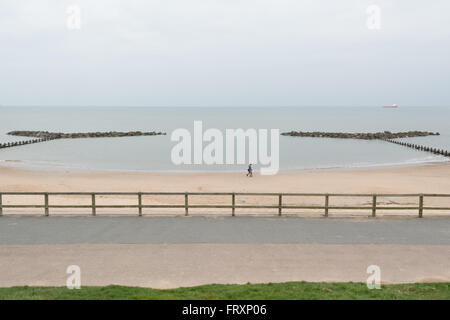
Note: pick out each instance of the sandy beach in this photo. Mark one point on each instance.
(169, 265)
(432, 178)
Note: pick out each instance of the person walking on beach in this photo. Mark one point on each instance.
(250, 170)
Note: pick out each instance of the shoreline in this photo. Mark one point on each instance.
(22, 165)
(431, 177)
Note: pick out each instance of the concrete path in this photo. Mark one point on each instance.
(170, 252)
(123, 230)
(175, 265)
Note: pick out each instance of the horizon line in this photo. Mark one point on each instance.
(216, 106)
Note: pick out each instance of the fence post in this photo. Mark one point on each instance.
(279, 204)
(93, 204)
(421, 206)
(374, 206)
(327, 197)
(140, 203)
(46, 204)
(233, 203)
(1, 205)
(186, 205)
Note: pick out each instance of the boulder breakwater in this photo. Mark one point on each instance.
(42, 136)
(366, 136)
(385, 136)
(60, 135)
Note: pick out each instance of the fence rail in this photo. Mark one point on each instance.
(233, 206)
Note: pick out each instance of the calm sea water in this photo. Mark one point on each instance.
(153, 153)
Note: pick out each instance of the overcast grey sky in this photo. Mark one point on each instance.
(225, 53)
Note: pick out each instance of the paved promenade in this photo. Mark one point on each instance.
(178, 251)
(127, 230)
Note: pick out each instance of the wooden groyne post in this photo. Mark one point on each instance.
(21, 143)
(437, 151)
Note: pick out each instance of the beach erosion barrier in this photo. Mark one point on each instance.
(23, 142)
(419, 147)
(42, 136)
(361, 135)
(383, 136)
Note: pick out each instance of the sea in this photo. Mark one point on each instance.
(153, 153)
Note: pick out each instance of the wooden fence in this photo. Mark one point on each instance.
(233, 206)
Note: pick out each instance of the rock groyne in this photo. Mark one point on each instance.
(385, 136)
(42, 136)
(60, 135)
(366, 136)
